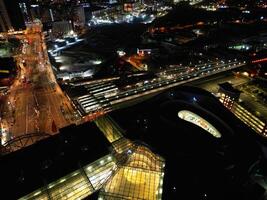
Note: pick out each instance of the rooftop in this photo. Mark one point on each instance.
(194, 158)
(51, 159)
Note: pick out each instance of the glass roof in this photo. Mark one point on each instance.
(79, 184)
(131, 171)
(141, 177)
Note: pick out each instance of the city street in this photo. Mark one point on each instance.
(35, 100)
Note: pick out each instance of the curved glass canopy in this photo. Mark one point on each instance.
(199, 121)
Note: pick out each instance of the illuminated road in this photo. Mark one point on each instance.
(35, 99)
(136, 62)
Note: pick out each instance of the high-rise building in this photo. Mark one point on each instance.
(79, 16)
(13, 15)
(61, 28)
(4, 18)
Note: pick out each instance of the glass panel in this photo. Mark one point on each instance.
(140, 178)
(76, 185)
(109, 128)
(99, 171)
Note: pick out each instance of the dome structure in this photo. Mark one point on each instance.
(208, 152)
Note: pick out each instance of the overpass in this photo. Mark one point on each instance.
(262, 60)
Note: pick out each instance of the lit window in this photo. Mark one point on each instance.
(199, 121)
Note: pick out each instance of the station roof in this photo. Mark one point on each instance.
(194, 157)
(50, 159)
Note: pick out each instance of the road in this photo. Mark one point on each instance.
(35, 99)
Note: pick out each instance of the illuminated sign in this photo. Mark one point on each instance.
(199, 121)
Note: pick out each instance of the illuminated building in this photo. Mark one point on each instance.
(152, 150)
(228, 94)
(229, 98)
(204, 145)
(129, 6)
(78, 164)
(110, 11)
(140, 178)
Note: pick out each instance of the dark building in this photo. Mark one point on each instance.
(7, 67)
(53, 162)
(13, 14)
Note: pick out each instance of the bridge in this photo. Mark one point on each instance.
(262, 60)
